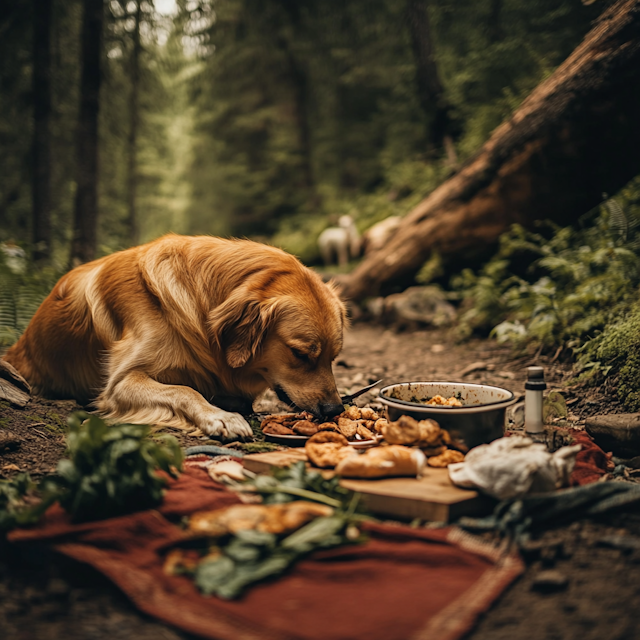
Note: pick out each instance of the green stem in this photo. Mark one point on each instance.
(302, 493)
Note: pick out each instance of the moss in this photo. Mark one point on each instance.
(619, 348)
(256, 447)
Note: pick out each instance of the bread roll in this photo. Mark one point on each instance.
(381, 462)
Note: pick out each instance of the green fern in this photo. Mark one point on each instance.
(20, 296)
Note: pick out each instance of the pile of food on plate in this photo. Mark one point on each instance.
(407, 445)
(354, 423)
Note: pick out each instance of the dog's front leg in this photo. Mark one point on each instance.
(139, 399)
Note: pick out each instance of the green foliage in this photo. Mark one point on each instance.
(20, 296)
(250, 556)
(112, 469)
(19, 505)
(295, 482)
(555, 289)
(575, 288)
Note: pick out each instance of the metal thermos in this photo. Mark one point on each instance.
(534, 386)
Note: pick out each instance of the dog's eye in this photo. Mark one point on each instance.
(300, 355)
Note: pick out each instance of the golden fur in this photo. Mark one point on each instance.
(150, 332)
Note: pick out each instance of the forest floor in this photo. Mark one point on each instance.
(48, 597)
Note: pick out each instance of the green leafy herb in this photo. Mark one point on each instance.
(112, 469)
(250, 556)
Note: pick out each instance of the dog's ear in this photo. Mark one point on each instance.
(239, 324)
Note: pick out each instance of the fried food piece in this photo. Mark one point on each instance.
(394, 460)
(433, 451)
(305, 428)
(352, 412)
(228, 520)
(180, 561)
(328, 426)
(364, 433)
(409, 431)
(327, 448)
(431, 435)
(275, 429)
(405, 430)
(380, 424)
(271, 518)
(444, 402)
(368, 413)
(347, 428)
(284, 518)
(445, 459)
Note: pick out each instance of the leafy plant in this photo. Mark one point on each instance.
(21, 293)
(558, 288)
(113, 469)
(19, 503)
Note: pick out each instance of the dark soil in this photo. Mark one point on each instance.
(597, 594)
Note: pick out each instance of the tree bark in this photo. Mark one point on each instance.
(430, 91)
(576, 136)
(41, 181)
(134, 118)
(85, 218)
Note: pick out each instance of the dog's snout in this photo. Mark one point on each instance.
(331, 410)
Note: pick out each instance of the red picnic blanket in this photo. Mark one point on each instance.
(403, 583)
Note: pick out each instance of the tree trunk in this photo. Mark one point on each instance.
(134, 117)
(430, 91)
(85, 218)
(576, 136)
(41, 181)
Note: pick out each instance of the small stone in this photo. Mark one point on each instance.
(549, 581)
(619, 433)
(8, 440)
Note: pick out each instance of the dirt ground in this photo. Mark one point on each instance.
(597, 595)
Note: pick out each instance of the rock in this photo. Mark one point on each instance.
(549, 581)
(8, 440)
(619, 433)
(414, 308)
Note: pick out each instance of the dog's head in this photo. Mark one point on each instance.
(287, 329)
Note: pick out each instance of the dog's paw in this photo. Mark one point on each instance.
(226, 425)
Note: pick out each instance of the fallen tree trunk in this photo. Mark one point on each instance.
(576, 136)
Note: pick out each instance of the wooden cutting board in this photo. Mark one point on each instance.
(432, 497)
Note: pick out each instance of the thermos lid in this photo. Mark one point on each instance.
(535, 379)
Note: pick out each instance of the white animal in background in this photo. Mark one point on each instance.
(340, 243)
(377, 236)
(15, 257)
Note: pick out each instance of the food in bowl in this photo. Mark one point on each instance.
(444, 402)
(480, 419)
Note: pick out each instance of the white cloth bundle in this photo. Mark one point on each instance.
(511, 467)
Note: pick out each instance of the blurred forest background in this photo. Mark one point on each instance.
(122, 120)
(265, 119)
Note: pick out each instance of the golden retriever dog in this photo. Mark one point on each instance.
(150, 334)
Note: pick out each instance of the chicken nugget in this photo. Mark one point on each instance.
(305, 428)
(368, 413)
(364, 433)
(352, 412)
(445, 459)
(347, 428)
(275, 429)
